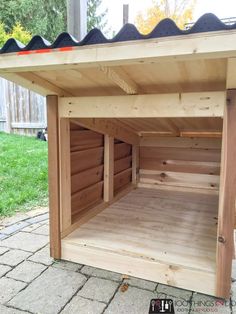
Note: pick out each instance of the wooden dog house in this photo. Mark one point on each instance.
(142, 148)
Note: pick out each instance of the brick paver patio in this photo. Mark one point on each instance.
(32, 282)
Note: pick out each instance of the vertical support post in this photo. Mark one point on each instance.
(65, 173)
(53, 176)
(225, 236)
(135, 164)
(108, 168)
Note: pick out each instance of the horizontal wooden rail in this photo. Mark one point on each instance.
(204, 104)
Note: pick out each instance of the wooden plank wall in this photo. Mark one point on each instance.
(122, 165)
(21, 111)
(185, 162)
(87, 168)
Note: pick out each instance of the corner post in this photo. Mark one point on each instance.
(108, 168)
(225, 237)
(53, 176)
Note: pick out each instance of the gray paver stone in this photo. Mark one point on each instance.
(3, 250)
(26, 241)
(98, 289)
(175, 292)
(14, 228)
(141, 284)
(3, 236)
(13, 257)
(3, 270)
(80, 305)
(37, 219)
(26, 271)
(30, 228)
(207, 304)
(44, 229)
(9, 288)
(67, 265)
(42, 257)
(97, 272)
(132, 301)
(49, 292)
(8, 310)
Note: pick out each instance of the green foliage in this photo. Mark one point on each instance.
(23, 173)
(17, 32)
(96, 18)
(20, 34)
(3, 35)
(47, 18)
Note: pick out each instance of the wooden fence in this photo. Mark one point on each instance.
(21, 111)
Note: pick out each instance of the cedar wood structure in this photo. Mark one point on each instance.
(142, 135)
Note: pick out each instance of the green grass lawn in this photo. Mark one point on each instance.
(23, 173)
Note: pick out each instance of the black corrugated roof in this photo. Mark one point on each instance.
(206, 23)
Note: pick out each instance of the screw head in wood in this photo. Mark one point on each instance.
(221, 239)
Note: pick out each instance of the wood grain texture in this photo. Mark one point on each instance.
(86, 159)
(85, 139)
(65, 173)
(226, 216)
(133, 236)
(203, 181)
(176, 105)
(122, 179)
(86, 198)
(53, 177)
(108, 168)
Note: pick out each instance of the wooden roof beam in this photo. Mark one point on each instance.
(107, 126)
(35, 83)
(176, 48)
(121, 79)
(185, 105)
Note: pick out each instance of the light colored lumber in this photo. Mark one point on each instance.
(35, 83)
(135, 164)
(226, 216)
(132, 237)
(213, 134)
(85, 216)
(108, 168)
(231, 73)
(203, 181)
(65, 173)
(191, 47)
(53, 176)
(171, 188)
(205, 104)
(106, 126)
(121, 79)
(163, 165)
(154, 141)
(184, 154)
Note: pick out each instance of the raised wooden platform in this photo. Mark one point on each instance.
(164, 236)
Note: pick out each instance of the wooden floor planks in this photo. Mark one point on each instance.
(176, 229)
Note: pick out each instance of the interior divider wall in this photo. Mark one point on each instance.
(87, 169)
